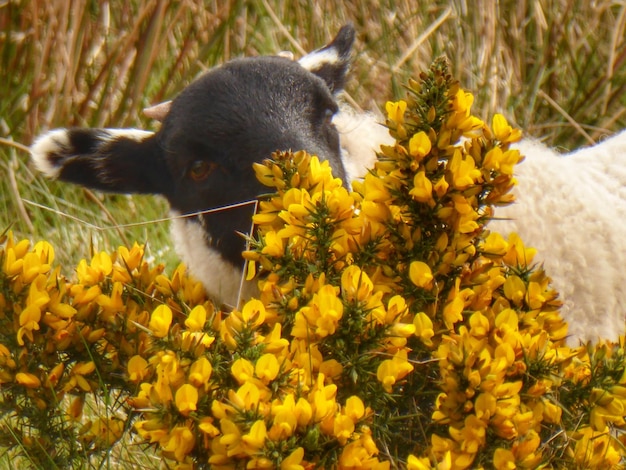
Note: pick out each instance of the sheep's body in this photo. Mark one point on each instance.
(571, 208)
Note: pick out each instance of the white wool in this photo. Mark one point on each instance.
(220, 278)
(51, 143)
(572, 208)
(361, 136)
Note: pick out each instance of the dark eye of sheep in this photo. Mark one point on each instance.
(201, 169)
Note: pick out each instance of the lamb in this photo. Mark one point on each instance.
(201, 159)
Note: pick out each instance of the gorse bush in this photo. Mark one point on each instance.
(391, 329)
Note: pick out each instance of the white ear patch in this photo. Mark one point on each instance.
(50, 150)
(132, 134)
(318, 59)
(45, 147)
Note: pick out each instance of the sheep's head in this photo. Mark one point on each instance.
(201, 158)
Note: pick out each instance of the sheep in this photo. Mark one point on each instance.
(240, 112)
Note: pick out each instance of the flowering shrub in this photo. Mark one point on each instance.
(392, 329)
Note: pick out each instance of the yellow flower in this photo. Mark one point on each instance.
(253, 313)
(33, 265)
(75, 410)
(196, 319)
(354, 408)
(595, 449)
(485, 406)
(101, 266)
(267, 368)
(27, 380)
(463, 170)
(495, 244)
(323, 314)
(471, 436)
(356, 284)
(419, 145)
(231, 437)
(54, 375)
(424, 328)
(200, 372)
(453, 309)
(131, 258)
(247, 397)
(29, 322)
(514, 289)
(113, 304)
(396, 308)
(137, 369)
(343, 427)
(186, 399)
(160, 321)
(503, 132)
(422, 190)
(242, 370)
(361, 453)
(255, 438)
(323, 399)
(415, 463)
(420, 274)
(285, 420)
(374, 189)
(264, 174)
(179, 442)
(77, 378)
(391, 370)
(395, 111)
(504, 162)
(461, 117)
(503, 459)
(293, 460)
(274, 245)
(206, 426)
(518, 255)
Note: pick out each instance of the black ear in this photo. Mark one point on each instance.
(116, 160)
(332, 61)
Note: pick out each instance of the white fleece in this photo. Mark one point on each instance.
(220, 278)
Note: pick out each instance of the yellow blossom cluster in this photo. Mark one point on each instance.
(392, 328)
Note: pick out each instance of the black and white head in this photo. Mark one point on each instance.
(201, 158)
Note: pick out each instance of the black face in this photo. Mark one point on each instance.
(202, 157)
(231, 117)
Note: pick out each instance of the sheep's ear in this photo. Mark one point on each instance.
(332, 61)
(116, 160)
(158, 111)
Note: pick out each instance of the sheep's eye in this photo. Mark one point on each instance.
(200, 169)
